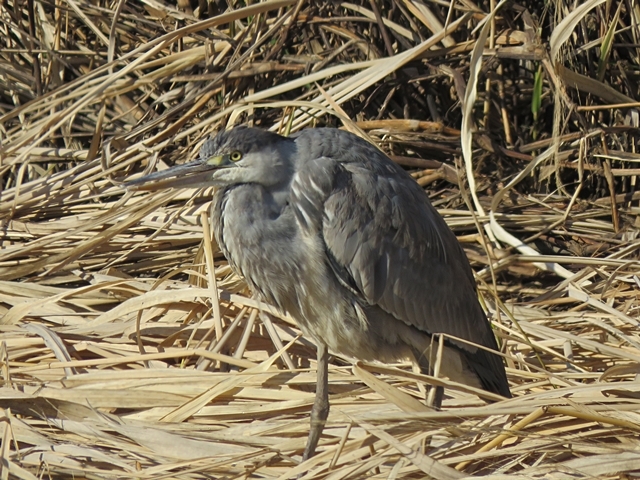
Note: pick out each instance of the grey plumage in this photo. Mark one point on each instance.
(328, 229)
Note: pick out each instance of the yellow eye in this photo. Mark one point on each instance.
(235, 156)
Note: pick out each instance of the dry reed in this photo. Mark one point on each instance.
(130, 350)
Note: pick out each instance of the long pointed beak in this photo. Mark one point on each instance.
(194, 174)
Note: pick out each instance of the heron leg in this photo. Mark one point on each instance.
(320, 410)
(435, 396)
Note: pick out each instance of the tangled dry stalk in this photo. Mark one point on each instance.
(128, 348)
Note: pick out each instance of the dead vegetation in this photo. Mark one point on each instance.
(129, 350)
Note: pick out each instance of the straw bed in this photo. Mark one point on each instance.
(129, 349)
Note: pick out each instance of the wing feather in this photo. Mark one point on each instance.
(388, 243)
(400, 253)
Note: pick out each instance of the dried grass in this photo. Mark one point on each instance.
(129, 349)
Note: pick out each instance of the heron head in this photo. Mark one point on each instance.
(233, 157)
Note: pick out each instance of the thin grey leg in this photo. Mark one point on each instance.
(435, 396)
(320, 410)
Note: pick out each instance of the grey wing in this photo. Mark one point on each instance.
(389, 245)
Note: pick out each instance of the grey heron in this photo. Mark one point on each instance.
(325, 227)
